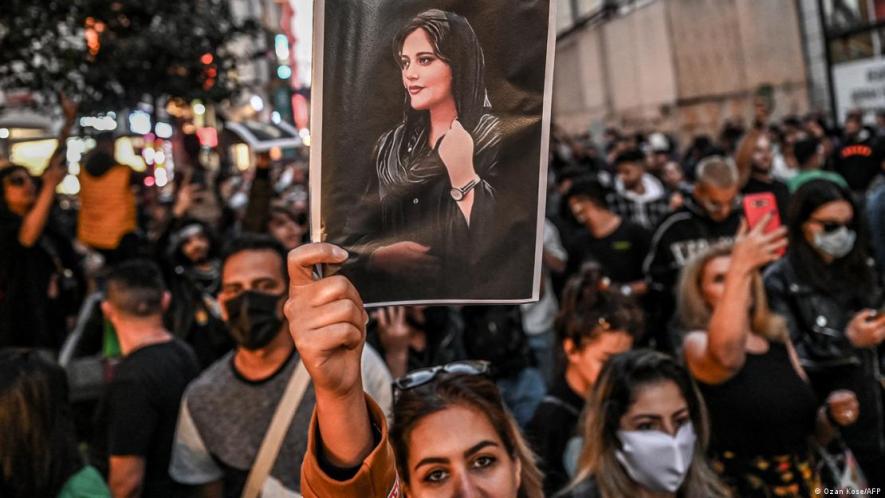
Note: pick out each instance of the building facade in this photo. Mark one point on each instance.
(682, 66)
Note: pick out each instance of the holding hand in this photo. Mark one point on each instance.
(754, 248)
(842, 407)
(326, 319)
(456, 152)
(328, 324)
(866, 329)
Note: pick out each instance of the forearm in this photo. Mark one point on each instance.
(35, 221)
(824, 431)
(397, 362)
(729, 325)
(345, 428)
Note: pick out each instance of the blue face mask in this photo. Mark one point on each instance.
(656, 460)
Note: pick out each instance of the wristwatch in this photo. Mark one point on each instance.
(460, 193)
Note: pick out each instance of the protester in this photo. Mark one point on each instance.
(827, 289)
(37, 262)
(645, 433)
(538, 318)
(107, 218)
(141, 404)
(451, 434)
(639, 196)
(595, 323)
(754, 161)
(38, 449)
(809, 156)
(761, 408)
(495, 334)
(227, 409)
(859, 159)
(876, 217)
(193, 270)
(617, 244)
(709, 216)
(409, 338)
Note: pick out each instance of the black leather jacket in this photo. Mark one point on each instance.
(817, 321)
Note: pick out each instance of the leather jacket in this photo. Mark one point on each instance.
(816, 321)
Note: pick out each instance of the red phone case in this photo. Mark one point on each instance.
(756, 206)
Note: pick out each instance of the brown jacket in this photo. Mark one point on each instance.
(376, 477)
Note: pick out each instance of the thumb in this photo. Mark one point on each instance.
(302, 259)
(456, 125)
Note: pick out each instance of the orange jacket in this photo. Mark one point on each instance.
(107, 208)
(376, 477)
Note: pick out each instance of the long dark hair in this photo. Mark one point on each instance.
(4, 172)
(850, 275)
(620, 380)
(473, 391)
(590, 308)
(38, 452)
(455, 42)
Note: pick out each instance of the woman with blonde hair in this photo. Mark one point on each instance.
(762, 409)
(645, 433)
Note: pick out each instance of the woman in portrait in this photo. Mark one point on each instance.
(435, 170)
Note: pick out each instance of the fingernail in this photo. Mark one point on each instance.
(339, 252)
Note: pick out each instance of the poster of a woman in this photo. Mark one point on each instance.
(448, 205)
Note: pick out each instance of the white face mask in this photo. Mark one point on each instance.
(837, 243)
(656, 460)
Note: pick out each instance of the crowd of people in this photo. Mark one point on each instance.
(676, 349)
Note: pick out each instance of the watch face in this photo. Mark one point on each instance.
(456, 194)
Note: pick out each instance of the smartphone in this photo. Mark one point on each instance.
(756, 206)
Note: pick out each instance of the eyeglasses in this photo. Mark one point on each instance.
(830, 226)
(423, 376)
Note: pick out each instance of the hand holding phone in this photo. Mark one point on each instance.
(756, 207)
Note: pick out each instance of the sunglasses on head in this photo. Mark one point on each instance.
(424, 376)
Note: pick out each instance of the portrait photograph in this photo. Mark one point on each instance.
(428, 122)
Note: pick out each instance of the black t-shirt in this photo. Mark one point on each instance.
(779, 189)
(28, 317)
(142, 404)
(620, 253)
(552, 426)
(859, 162)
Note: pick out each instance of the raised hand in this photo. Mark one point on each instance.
(456, 152)
(754, 248)
(326, 319)
(328, 324)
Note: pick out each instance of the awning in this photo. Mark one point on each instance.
(262, 137)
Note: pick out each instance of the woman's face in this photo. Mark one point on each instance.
(657, 407)
(829, 216)
(426, 77)
(19, 191)
(284, 229)
(457, 452)
(588, 360)
(713, 280)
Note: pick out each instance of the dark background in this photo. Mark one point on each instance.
(364, 97)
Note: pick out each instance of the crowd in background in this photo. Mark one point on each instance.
(675, 350)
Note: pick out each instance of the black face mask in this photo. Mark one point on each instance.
(253, 318)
